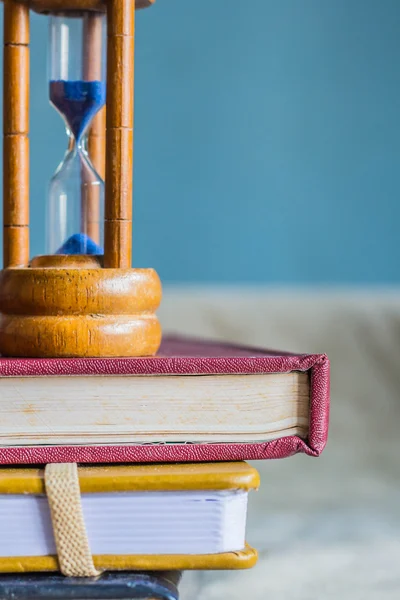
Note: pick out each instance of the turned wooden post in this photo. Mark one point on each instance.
(96, 146)
(119, 134)
(15, 134)
(97, 132)
(96, 142)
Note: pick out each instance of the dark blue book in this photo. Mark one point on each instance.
(161, 585)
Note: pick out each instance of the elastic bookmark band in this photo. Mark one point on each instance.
(64, 496)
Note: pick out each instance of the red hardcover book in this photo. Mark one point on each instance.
(225, 403)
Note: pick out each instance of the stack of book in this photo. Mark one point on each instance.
(161, 444)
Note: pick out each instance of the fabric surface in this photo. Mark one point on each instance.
(64, 497)
(327, 528)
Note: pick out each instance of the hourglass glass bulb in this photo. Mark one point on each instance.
(77, 91)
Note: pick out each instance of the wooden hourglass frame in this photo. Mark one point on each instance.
(74, 306)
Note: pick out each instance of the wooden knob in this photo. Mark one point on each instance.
(54, 6)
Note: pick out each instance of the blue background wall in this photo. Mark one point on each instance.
(267, 140)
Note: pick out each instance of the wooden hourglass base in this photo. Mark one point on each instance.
(80, 310)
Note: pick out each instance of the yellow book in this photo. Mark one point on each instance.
(137, 517)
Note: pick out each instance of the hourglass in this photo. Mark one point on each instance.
(81, 298)
(77, 89)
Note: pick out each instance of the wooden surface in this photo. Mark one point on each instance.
(119, 135)
(67, 312)
(97, 143)
(58, 291)
(119, 146)
(67, 261)
(45, 6)
(15, 134)
(79, 336)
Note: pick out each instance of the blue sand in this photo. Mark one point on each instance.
(79, 243)
(78, 102)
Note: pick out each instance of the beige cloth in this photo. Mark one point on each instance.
(325, 528)
(64, 496)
